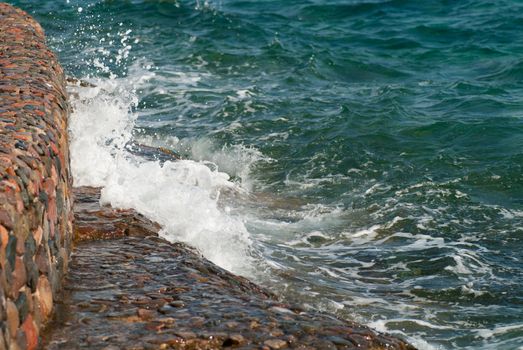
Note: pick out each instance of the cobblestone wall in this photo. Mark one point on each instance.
(35, 202)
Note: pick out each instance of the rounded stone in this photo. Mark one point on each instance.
(19, 276)
(42, 260)
(275, 343)
(234, 340)
(145, 314)
(13, 320)
(11, 249)
(37, 235)
(45, 296)
(32, 274)
(22, 304)
(2, 341)
(4, 238)
(31, 333)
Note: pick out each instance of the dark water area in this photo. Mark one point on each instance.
(374, 148)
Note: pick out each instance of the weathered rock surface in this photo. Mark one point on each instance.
(133, 290)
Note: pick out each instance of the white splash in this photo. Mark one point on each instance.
(181, 196)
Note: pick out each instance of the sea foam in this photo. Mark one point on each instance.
(181, 196)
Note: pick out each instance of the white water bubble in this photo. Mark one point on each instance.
(181, 196)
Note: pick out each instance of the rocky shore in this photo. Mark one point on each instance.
(125, 287)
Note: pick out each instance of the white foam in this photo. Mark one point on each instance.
(363, 236)
(182, 196)
(236, 160)
(511, 213)
(381, 326)
(460, 267)
(489, 333)
(468, 289)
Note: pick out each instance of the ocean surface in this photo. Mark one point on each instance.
(360, 157)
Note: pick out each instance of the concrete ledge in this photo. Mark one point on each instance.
(35, 188)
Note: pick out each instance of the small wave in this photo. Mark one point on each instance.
(381, 325)
(235, 160)
(182, 196)
(489, 333)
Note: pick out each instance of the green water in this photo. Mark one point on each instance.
(382, 142)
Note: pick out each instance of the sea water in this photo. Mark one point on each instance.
(361, 157)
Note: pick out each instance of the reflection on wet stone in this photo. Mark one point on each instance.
(133, 290)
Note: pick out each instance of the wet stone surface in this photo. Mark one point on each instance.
(134, 290)
(95, 222)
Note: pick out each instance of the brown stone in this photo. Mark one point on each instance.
(4, 239)
(231, 324)
(196, 322)
(234, 340)
(31, 333)
(65, 259)
(145, 314)
(45, 296)
(42, 261)
(52, 212)
(13, 321)
(177, 303)
(275, 343)
(19, 276)
(20, 247)
(276, 333)
(37, 234)
(5, 219)
(2, 341)
(186, 335)
(4, 236)
(37, 311)
(13, 345)
(30, 301)
(20, 341)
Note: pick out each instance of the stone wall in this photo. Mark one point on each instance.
(35, 188)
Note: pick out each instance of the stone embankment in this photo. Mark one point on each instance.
(126, 288)
(35, 200)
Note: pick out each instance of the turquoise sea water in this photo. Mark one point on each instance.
(375, 147)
